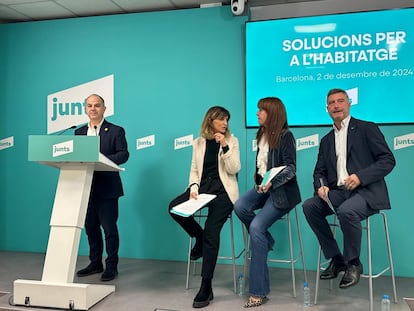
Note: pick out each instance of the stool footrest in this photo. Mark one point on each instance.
(374, 276)
(390, 268)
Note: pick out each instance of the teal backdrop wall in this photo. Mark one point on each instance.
(169, 68)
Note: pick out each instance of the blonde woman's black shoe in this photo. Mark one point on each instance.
(203, 297)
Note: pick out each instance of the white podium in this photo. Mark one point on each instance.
(77, 157)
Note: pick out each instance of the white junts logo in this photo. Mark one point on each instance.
(183, 142)
(62, 148)
(67, 107)
(254, 145)
(145, 142)
(404, 141)
(353, 96)
(7, 142)
(307, 142)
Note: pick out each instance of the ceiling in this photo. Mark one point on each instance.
(12, 11)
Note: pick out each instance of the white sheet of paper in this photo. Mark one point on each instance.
(270, 174)
(191, 206)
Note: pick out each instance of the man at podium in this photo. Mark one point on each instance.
(106, 189)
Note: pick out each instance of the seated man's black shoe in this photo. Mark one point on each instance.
(92, 268)
(333, 270)
(203, 298)
(351, 276)
(109, 275)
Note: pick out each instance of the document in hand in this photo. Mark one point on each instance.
(191, 206)
(270, 174)
(328, 201)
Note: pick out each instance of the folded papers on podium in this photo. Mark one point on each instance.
(191, 206)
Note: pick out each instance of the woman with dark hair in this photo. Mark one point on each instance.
(275, 147)
(214, 167)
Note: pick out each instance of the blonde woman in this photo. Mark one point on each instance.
(214, 167)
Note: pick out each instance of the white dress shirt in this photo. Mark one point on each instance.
(94, 130)
(340, 149)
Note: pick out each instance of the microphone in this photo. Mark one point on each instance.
(95, 127)
(67, 129)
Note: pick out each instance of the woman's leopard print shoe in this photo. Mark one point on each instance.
(255, 301)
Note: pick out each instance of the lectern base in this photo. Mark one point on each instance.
(59, 295)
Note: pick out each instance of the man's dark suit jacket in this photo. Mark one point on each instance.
(114, 146)
(368, 156)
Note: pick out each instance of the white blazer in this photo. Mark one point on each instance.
(228, 166)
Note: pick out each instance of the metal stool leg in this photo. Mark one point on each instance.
(318, 273)
(319, 264)
(292, 260)
(246, 252)
(302, 253)
(232, 257)
(187, 281)
(198, 215)
(390, 267)
(370, 274)
(233, 254)
(387, 237)
(371, 293)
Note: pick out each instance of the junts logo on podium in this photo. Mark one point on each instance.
(62, 148)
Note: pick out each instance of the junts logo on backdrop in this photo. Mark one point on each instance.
(353, 95)
(7, 142)
(145, 142)
(183, 142)
(307, 142)
(301, 143)
(404, 141)
(67, 107)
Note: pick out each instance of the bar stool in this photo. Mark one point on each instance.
(370, 276)
(199, 216)
(291, 260)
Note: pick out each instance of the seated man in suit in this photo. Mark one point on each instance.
(352, 162)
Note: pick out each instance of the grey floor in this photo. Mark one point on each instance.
(160, 285)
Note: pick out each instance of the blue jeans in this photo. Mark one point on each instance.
(261, 241)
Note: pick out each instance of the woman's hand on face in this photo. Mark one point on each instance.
(221, 139)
